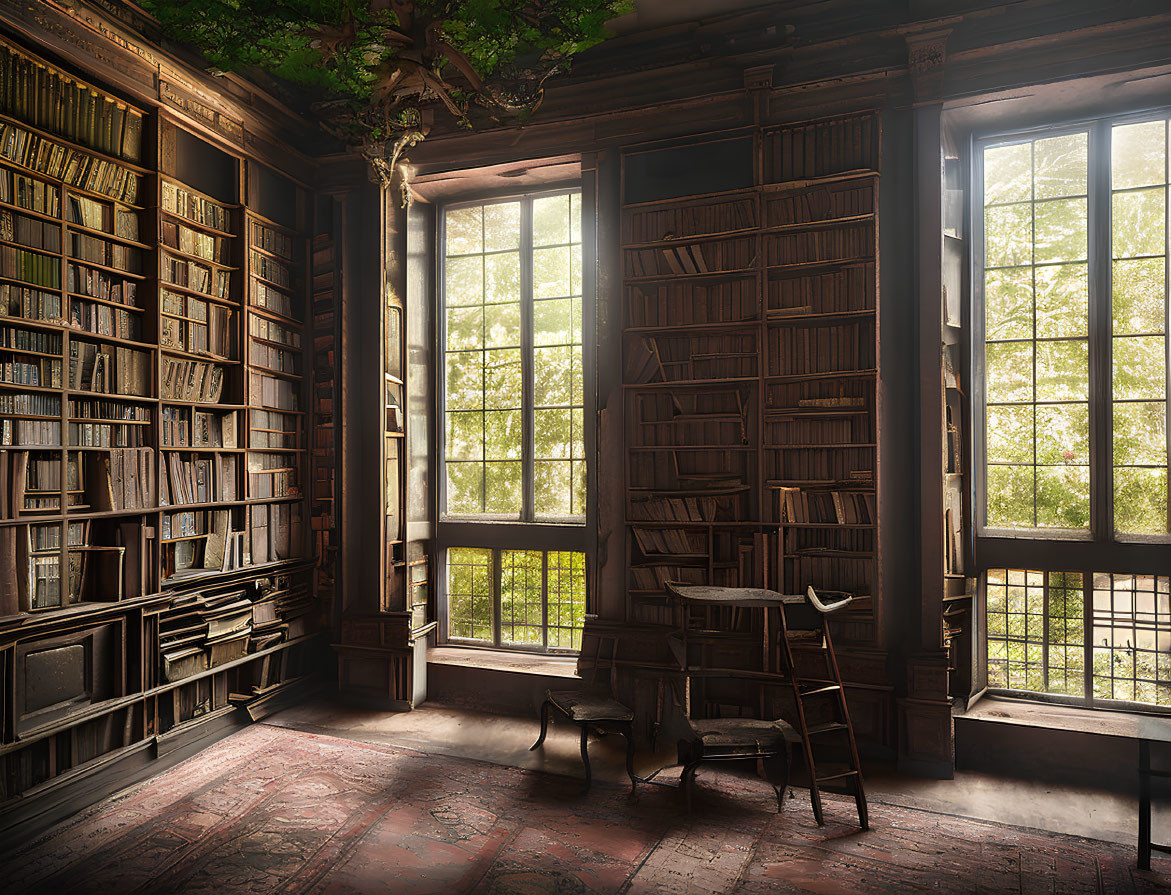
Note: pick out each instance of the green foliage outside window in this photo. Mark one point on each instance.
(541, 597)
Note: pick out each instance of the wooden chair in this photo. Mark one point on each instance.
(737, 739)
(593, 709)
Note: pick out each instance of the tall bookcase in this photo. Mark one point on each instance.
(750, 369)
(154, 568)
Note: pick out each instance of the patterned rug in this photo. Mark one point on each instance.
(276, 810)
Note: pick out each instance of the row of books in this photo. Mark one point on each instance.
(77, 168)
(185, 203)
(274, 532)
(101, 284)
(689, 303)
(31, 304)
(31, 232)
(121, 479)
(30, 432)
(824, 203)
(674, 541)
(846, 347)
(103, 435)
(270, 239)
(216, 543)
(676, 220)
(821, 466)
(35, 481)
(187, 427)
(30, 267)
(827, 507)
(193, 478)
(111, 369)
(30, 340)
(192, 380)
(101, 409)
(269, 430)
(20, 369)
(274, 358)
(821, 148)
(207, 331)
(194, 276)
(689, 356)
(270, 392)
(271, 331)
(692, 258)
(95, 250)
(676, 509)
(842, 243)
(792, 430)
(271, 299)
(272, 475)
(847, 288)
(203, 630)
(194, 242)
(51, 100)
(29, 192)
(29, 404)
(276, 272)
(103, 320)
(95, 215)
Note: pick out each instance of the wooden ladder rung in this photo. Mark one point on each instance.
(837, 776)
(819, 688)
(828, 727)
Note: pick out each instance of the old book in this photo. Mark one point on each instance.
(182, 663)
(227, 649)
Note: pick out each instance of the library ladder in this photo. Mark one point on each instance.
(817, 691)
(822, 692)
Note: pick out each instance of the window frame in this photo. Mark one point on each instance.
(1099, 548)
(577, 534)
(496, 571)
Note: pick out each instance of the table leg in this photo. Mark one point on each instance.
(544, 725)
(628, 732)
(585, 755)
(1144, 805)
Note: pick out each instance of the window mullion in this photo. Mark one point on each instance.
(1100, 332)
(497, 590)
(528, 387)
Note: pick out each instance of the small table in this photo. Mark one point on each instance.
(1150, 730)
(591, 709)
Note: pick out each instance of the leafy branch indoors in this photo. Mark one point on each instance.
(375, 68)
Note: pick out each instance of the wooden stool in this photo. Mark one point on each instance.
(731, 739)
(589, 709)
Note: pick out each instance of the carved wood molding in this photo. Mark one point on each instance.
(926, 61)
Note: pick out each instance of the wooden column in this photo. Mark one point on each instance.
(926, 731)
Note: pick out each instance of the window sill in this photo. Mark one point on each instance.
(1025, 713)
(504, 660)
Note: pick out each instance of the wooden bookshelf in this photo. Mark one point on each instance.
(751, 364)
(153, 449)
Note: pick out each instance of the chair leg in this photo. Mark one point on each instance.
(687, 782)
(776, 771)
(544, 725)
(585, 756)
(628, 732)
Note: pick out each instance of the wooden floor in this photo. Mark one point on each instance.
(278, 809)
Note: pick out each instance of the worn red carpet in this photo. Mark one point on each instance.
(276, 810)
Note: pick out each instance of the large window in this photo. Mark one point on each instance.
(514, 397)
(1071, 364)
(1074, 277)
(514, 400)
